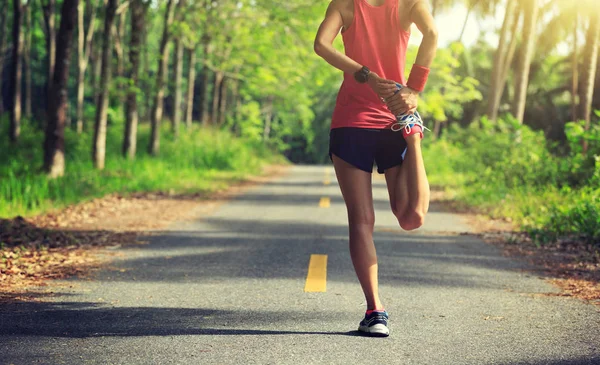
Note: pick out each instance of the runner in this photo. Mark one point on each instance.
(372, 108)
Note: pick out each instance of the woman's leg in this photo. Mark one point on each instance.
(358, 195)
(408, 187)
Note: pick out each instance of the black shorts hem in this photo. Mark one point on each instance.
(363, 148)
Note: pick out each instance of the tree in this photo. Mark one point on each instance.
(84, 47)
(575, 69)
(27, 60)
(530, 13)
(177, 105)
(118, 30)
(54, 144)
(16, 70)
(190, 91)
(99, 143)
(500, 57)
(49, 10)
(3, 33)
(138, 23)
(163, 63)
(588, 75)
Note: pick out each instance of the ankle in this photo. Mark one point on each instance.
(376, 306)
(380, 309)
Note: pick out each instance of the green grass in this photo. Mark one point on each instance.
(201, 160)
(507, 170)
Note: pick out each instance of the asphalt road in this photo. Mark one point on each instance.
(228, 288)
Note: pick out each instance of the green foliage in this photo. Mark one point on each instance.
(509, 170)
(447, 91)
(200, 161)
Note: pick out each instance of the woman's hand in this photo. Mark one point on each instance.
(383, 88)
(403, 102)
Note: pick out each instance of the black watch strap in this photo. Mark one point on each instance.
(362, 76)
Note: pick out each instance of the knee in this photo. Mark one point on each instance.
(412, 220)
(362, 221)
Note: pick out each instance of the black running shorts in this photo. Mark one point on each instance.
(361, 147)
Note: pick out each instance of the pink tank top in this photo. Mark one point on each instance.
(374, 39)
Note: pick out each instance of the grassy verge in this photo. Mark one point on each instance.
(509, 171)
(201, 160)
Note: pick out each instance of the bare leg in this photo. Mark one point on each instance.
(408, 187)
(358, 195)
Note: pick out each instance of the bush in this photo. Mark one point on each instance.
(201, 160)
(508, 170)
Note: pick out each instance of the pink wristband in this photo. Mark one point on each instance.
(418, 77)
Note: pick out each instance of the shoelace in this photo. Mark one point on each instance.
(407, 122)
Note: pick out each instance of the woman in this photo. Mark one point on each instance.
(364, 123)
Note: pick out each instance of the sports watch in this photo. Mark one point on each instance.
(362, 76)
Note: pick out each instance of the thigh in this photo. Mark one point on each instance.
(356, 190)
(396, 181)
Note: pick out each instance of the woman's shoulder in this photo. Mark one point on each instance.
(344, 5)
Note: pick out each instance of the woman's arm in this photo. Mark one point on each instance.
(328, 30)
(407, 99)
(422, 18)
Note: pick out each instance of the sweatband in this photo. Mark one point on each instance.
(418, 77)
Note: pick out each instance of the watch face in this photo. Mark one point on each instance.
(361, 76)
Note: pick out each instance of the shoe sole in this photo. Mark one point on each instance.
(376, 330)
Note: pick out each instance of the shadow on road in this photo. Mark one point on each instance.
(82, 320)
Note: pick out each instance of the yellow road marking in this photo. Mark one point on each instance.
(326, 181)
(316, 279)
(324, 202)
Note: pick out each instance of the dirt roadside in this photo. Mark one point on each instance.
(83, 237)
(568, 264)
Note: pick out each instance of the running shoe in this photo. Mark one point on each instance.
(375, 324)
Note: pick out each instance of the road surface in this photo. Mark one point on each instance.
(229, 288)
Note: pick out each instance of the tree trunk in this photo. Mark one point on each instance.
(49, 8)
(588, 75)
(235, 92)
(268, 120)
(119, 34)
(163, 63)
(575, 70)
(84, 46)
(464, 27)
(27, 60)
(178, 95)
(97, 68)
(3, 34)
(530, 13)
(16, 70)
(223, 101)
(138, 20)
(99, 147)
(214, 112)
(190, 91)
(54, 144)
(204, 80)
(178, 87)
(510, 55)
(499, 57)
(145, 81)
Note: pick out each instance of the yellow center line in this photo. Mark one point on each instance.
(316, 279)
(325, 202)
(326, 181)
